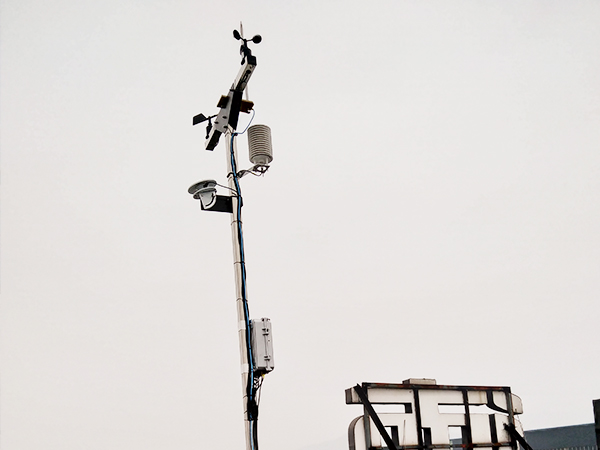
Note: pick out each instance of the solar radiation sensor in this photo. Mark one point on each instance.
(205, 191)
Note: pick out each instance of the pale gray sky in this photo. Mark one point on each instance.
(432, 211)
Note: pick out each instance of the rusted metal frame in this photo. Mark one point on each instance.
(367, 427)
(505, 444)
(493, 425)
(512, 430)
(494, 432)
(469, 445)
(467, 430)
(418, 417)
(362, 394)
(492, 405)
(433, 387)
(450, 446)
(511, 418)
(366, 422)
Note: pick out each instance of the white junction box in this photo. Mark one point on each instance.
(262, 345)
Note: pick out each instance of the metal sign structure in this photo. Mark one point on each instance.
(425, 415)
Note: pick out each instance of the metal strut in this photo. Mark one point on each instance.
(510, 428)
(375, 418)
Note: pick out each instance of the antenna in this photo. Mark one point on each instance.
(241, 37)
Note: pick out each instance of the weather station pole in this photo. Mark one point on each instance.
(239, 267)
(255, 338)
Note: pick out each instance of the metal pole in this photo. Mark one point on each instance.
(236, 225)
(596, 404)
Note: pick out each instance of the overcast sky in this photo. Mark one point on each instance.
(432, 210)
